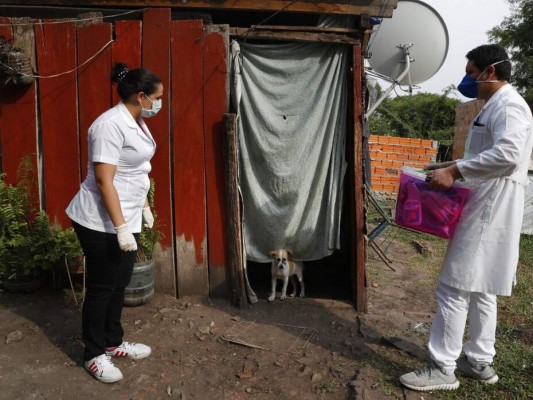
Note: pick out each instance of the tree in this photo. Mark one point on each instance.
(515, 33)
(423, 115)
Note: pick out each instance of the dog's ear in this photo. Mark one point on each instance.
(289, 252)
(272, 254)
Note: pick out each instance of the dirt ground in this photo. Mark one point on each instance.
(310, 348)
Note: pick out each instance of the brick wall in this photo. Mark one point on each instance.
(464, 115)
(388, 154)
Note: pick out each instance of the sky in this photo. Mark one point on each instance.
(467, 22)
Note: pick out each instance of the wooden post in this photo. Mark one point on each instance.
(233, 207)
(359, 257)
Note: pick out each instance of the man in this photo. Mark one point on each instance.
(482, 257)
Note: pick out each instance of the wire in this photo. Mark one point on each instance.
(265, 20)
(61, 73)
(65, 21)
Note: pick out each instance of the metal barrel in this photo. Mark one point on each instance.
(140, 290)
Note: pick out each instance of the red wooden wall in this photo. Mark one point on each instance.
(18, 117)
(192, 63)
(189, 161)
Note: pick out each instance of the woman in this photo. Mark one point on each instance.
(107, 215)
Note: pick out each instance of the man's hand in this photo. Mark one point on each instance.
(443, 178)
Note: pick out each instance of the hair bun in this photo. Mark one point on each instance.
(119, 72)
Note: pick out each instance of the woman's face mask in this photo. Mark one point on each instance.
(468, 86)
(156, 106)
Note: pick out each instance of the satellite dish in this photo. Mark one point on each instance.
(415, 29)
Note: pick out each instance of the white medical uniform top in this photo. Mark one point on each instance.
(116, 138)
(482, 256)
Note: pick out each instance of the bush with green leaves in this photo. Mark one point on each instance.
(149, 236)
(27, 243)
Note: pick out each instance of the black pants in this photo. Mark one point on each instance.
(108, 272)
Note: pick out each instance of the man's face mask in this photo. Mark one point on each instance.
(156, 106)
(468, 86)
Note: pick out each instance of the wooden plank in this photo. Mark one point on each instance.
(127, 47)
(18, 112)
(372, 7)
(318, 29)
(94, 83)
(156, 57)
(188, 169)
(216, 89)
(235, 250)
(56, 53)
(310, 37)
(359, 269)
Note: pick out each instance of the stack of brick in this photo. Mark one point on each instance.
(388, 154)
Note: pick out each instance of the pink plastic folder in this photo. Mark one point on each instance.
(425, 210)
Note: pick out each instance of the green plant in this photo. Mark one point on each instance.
(68, 246)
(27, 243)
(149, 236)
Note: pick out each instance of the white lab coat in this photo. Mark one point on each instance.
(482, 256)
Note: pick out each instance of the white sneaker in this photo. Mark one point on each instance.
(135, 351)
(429, 377)
(103, 369)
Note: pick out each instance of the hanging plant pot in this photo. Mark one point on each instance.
(16, 68)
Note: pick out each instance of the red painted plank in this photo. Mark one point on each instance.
(18, 120)
(127, 47)
(156, 57)
(188, 157)
(94, 81)
(216, 73)
(56, 53)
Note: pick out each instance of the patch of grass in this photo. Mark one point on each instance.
(517, 309)
(514, 366)
(329, 387)
(514, 359)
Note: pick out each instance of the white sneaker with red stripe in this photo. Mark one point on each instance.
(135, 351)
(103, 369)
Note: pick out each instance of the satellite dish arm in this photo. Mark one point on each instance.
(391, 87)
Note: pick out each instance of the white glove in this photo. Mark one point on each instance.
(148, 217)
(126, 240)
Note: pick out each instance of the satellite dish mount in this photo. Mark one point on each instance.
(407, 60)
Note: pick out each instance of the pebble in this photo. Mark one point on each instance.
(13, 337)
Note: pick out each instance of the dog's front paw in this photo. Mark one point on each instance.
(293, 294)
(272, 297)
(283, 297)
(302, 294)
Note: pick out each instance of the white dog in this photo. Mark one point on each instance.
(283, 268)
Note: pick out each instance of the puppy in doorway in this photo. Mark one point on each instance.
(284, 268)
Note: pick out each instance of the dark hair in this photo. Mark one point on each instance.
(488, 54)
(131, 82)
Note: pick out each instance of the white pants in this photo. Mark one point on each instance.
(447, 330)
